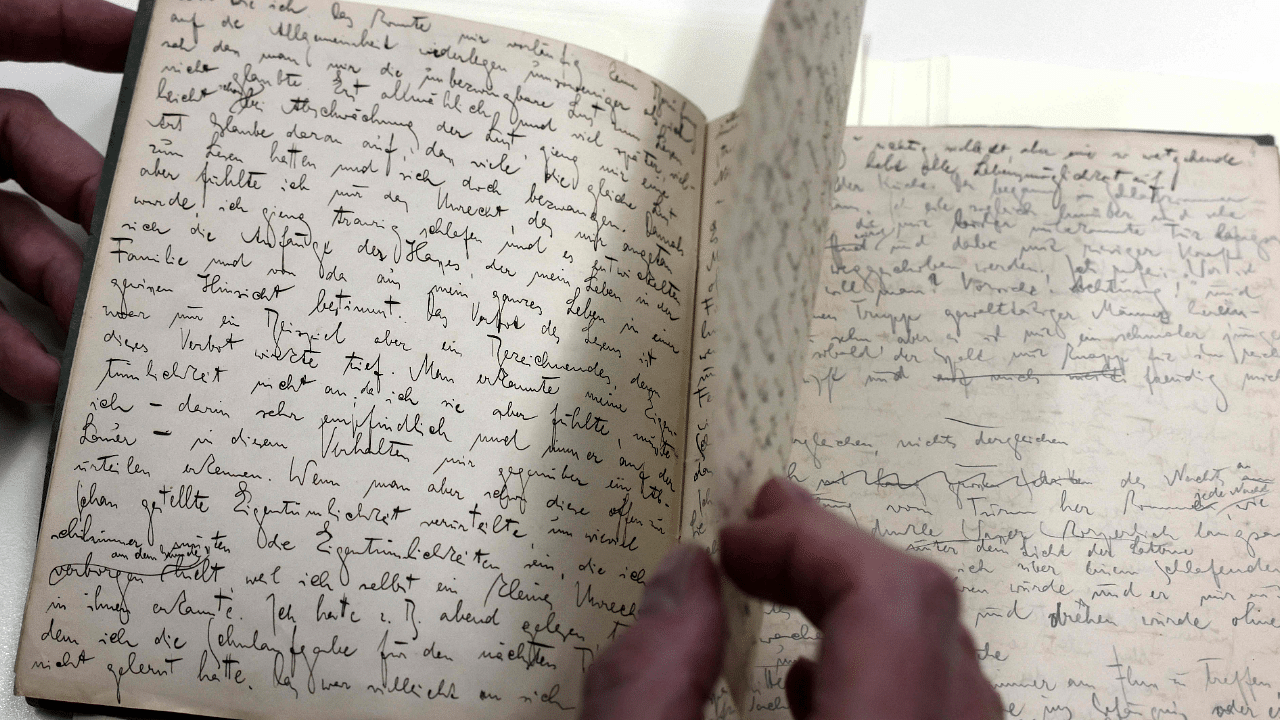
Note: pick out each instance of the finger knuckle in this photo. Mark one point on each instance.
(21, 99)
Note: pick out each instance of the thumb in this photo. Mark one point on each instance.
(663, 667)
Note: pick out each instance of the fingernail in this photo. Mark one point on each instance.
(666, 590)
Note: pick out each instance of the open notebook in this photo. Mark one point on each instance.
(410, 345)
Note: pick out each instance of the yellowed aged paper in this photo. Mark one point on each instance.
(379, 397)
(793, 113)
(1048, 361)
(700, 521)
(700, 516)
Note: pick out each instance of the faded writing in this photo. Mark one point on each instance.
(1047, 361)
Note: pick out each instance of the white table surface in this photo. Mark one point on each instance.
(703, 48)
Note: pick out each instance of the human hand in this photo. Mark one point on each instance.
(666, 663)
(52, 163)
(892, 648)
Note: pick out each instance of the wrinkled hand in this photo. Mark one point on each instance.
(892, 649)
(54, 165)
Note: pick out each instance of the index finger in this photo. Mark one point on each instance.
(889, 621)
(797, 553)
(93, 34)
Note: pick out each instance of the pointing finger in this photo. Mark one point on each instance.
(889, 621)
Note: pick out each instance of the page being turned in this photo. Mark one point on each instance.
(1048, 360)
(793, 116)
(378, 404)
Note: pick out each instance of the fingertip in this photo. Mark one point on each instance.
(97, 34)
(117, 34)
(64, 289)
(803, 556)
(46, 157)
(667, 662)
(88, 201)
(778, 494)
(49, 372)
(42, 388)
(36, 381)
(779, 500)
(686, 574)
(799, 688)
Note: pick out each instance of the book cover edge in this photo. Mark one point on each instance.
(1263, 140)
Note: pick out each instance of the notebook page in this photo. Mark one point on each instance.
(1048, 361)
(378, 401)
